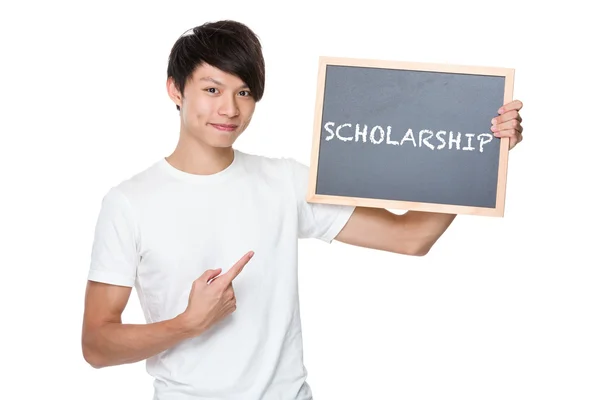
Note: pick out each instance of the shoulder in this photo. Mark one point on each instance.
(279, 174)
(138, 185)
(285, 167)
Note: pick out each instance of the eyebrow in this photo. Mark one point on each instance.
(216, 82)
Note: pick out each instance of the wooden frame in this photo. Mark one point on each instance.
(313, 197)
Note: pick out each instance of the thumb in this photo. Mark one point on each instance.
(209, 274)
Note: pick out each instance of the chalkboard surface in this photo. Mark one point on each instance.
(409, 136)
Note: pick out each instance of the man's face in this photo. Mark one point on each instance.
(216, 107)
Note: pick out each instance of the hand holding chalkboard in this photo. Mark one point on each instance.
(508, 124)
(413, 136)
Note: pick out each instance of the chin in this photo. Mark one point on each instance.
(222, 141)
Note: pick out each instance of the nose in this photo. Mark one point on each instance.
(228, 107)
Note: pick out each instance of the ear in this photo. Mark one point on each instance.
(173, 92)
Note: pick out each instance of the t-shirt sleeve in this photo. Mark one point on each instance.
(316, 220)
(114, 255)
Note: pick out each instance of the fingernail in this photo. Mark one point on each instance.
(501, 110)
(494, 121)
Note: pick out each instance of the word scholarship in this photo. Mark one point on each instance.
(377, 135)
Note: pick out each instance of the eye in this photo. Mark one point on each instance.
(245, 93)
(211, 90)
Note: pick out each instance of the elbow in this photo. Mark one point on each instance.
(92, 359)
(420, 251)
(422, 247)
(91, 356)
(413, 251)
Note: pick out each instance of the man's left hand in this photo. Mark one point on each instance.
(508, 123)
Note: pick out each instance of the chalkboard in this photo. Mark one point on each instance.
(412, 136)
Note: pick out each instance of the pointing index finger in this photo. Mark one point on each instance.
(235, 270)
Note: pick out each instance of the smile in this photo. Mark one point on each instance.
(225, 127)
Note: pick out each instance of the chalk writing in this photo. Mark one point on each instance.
(423, 138)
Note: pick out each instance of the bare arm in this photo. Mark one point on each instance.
(413, 233)
(106, 341)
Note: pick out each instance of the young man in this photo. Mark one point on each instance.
(208, 236)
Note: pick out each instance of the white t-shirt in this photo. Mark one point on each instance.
(162, 228)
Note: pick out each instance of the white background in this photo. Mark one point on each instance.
(502, 308)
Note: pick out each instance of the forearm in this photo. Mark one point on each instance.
(427, 227)
(116, 343)
(411, 233)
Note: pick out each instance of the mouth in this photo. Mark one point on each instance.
(225, 127)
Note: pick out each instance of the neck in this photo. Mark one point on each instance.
(194, 157)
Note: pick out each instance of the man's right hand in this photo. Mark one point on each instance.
(212, 297)
(107, 341)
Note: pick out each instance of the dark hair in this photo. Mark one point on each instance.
(227, 45)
